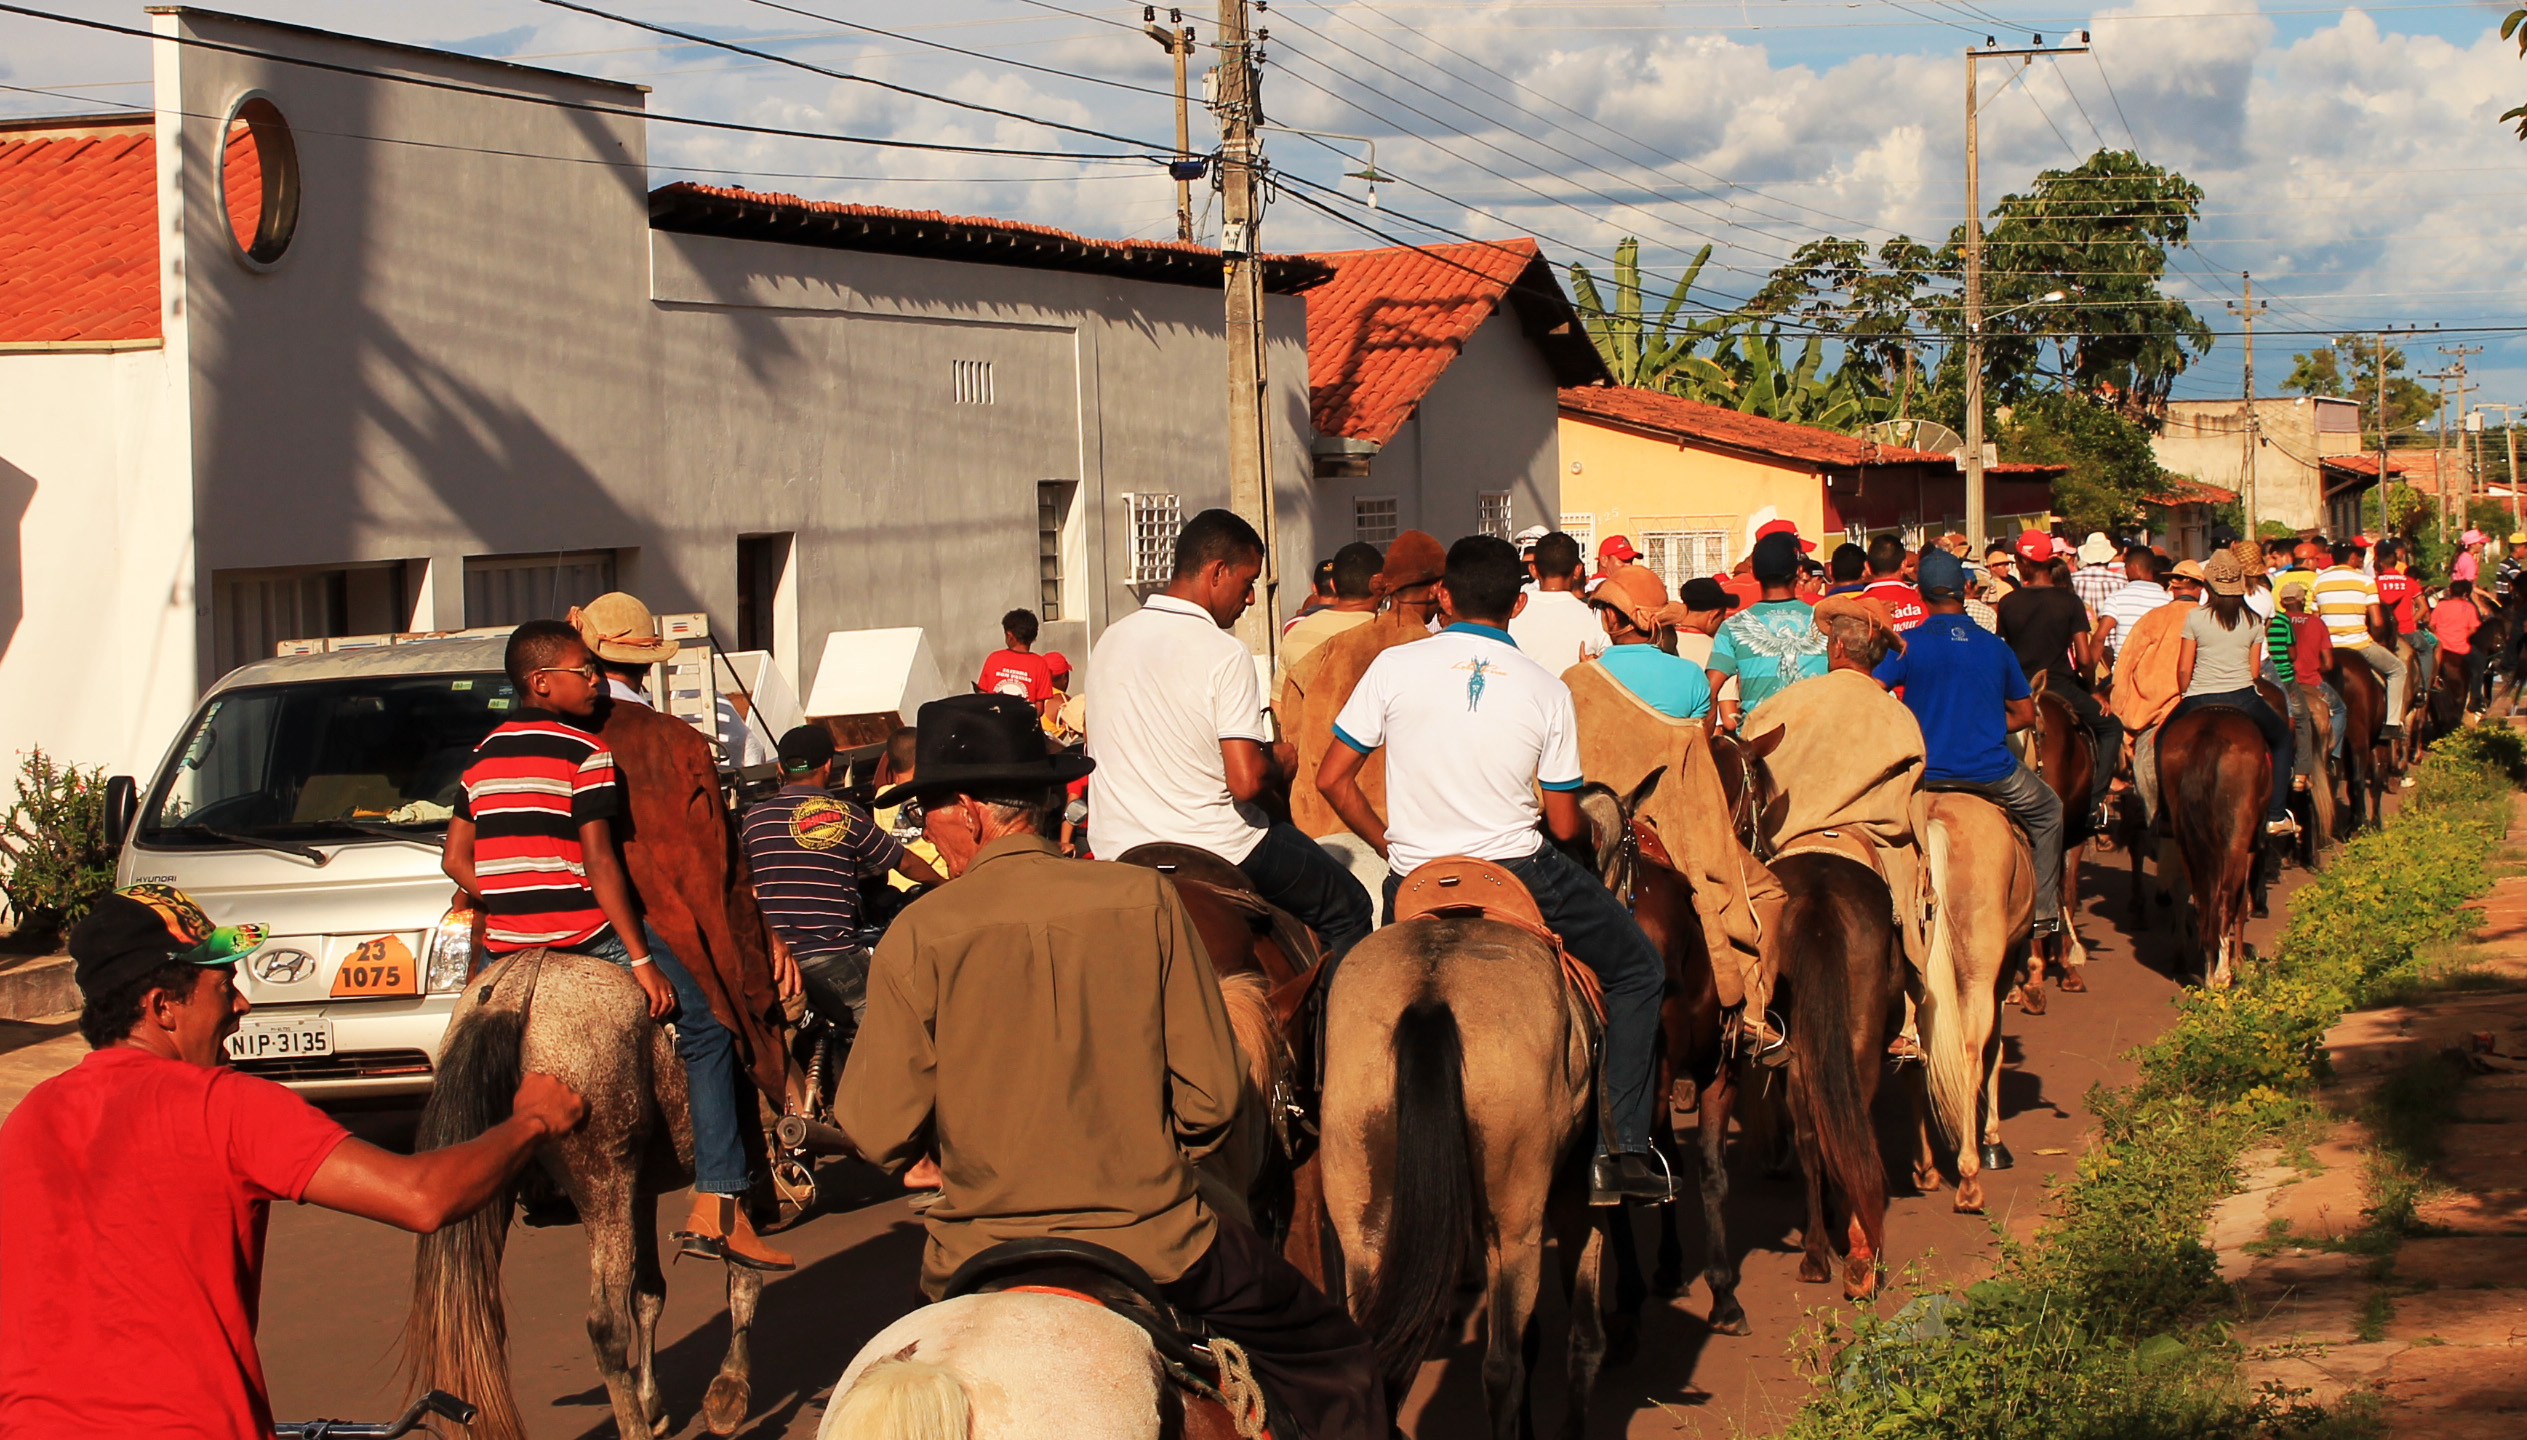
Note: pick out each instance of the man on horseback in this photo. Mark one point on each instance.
(1059, 1036)
(1773, 643)
(1627, 607)
(1968, 692)
(1314, 691)
(1471, 728)
(1176, 719)
(2347, 600)
(2048, 629)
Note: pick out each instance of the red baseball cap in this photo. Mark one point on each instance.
(2035, 545)
(1617, 548)
(1784, 527)
(1056, 662)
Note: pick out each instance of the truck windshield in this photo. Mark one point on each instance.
(325, 759)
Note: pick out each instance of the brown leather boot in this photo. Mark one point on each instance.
(719, 1230)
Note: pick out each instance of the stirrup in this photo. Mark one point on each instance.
(1906, 1049)
(1766, 1041)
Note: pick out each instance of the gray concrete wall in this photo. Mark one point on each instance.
(1491, 423)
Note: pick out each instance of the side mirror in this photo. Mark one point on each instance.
(122, 806)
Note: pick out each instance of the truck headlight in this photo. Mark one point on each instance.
(451, 958)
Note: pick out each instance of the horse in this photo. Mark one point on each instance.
(2064, 754)
(1842, 984)
(2215, 757)
(1459, 1084)
(585, 1021)
(2364, 753)
(1693, 1067)
(1983, 871)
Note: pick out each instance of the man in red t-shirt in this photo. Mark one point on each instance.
(1017, 669)
(1886, 585)
(134, 1188)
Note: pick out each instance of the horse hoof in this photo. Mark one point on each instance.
(2072, 984)
(1926, 1181)
(2017, 995)
(1729, 1319)
(2031, 999)
(2260, 912)
(1996, 1156)
(1969, 1199)
(1860, 1278)
(1814, 1271)
(724, 1405)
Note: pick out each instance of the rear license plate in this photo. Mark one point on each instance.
(280, 1039)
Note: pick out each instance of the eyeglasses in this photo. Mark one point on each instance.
(586, 672)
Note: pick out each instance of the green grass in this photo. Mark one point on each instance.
(2113, 1323)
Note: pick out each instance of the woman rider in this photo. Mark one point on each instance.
(2217, 659)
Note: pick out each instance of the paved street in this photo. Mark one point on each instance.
(334, 1294)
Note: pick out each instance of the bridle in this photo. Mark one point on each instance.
(1754, 791)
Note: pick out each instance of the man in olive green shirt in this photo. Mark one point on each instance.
(1054, 1030)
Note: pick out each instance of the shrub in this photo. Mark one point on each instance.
(53, 841)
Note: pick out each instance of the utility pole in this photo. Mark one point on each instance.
(2465, 491)
(2509, 432)
(1176, 38)
(1976, 522)
(1241, 253)
(2254, 418)
(2439, 446)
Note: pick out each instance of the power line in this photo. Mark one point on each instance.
(960, 50)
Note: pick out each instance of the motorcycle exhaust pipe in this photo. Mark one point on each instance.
(797, 1133)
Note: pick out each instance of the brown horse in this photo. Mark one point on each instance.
(2216, 759)
(1458, 1086)
(585, 1021)
(2064, 753)
(1982, 868)
(2365, 757)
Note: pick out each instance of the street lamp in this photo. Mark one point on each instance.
(1975, 520)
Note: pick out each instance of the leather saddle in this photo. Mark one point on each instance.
(1459, 885)
(1093, 1274)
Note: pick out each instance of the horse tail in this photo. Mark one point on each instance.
(1824, 1029)
(457, 1338)
(1431, 1224)
(1247, 995)
(1954, 1081)
(901, 1400)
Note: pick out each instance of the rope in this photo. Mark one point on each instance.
(1238, 1388)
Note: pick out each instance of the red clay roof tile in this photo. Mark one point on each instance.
(79, 238)
(1380, 332)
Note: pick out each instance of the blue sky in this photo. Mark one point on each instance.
(2352, 156)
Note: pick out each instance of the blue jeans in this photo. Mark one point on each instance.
(1296, 874)
(2276, 735)
(709, 1053)
(1595, 927)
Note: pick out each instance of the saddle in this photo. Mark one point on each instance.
(1221, 1397)
(1458, 885)
(1192, 865)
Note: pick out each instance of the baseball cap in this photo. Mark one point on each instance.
(2035, 545)
(1057, 662)
(1526, 539)
(1776, 557)
(1784, 527)
(1617, 548)
(805, 748)
(2472, 537)
(2518, 537)
(1704, 593)
(1940, 570)
(141, 927)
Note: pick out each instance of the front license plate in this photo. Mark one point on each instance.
(280, 1039)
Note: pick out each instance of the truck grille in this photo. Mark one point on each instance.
(355, 1065)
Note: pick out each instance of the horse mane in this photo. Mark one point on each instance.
(1247, 994)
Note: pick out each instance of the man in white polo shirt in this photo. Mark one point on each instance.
(1471, 726)
(1176, 726)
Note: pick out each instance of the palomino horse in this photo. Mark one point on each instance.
(1458, 1084)
(585, 1021)
(1983, 871)
(2365, 761)
(2215, 758)
(2064, 753)
(1694, 1069)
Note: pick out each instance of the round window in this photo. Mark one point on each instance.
(258, 179)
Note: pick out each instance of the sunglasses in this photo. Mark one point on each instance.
(587, 672)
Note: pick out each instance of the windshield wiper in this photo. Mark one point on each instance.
(238, 837)
(387, 832)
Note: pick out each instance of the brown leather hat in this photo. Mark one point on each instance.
(1634, 592)
(1412, 558)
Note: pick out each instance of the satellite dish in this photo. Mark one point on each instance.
(1924, 435)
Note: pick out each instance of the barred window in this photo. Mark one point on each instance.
(1581, 526)
(1373, 519)
(1154, 520)
(973, 382)
(1680, 555)
(1491, 514)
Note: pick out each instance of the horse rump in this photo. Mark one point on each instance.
(901, 1399)
(1839, 965)
(457, 1337)
(1431, 1226)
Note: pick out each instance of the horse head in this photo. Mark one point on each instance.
(1752, 792)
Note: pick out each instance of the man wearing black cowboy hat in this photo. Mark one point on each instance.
(1053, 1027)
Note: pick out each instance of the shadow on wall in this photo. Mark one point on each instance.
(17, 493)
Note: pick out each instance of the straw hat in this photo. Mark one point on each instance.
(2221, 573)
(2250, 557)
(618, 627)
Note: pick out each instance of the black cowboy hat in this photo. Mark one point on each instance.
(979, 742)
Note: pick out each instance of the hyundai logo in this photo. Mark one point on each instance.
(282, 967)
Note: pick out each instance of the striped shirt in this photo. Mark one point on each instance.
(2095, 585)
(2342, 597)
(533, 783)
(2277, 647)
(809, 852)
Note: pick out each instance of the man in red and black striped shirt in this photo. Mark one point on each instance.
(532, 841)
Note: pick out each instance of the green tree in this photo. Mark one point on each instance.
(2324, 371)
(1833, 287)
(2515, 27)
(2112, 469)
(1643, 354)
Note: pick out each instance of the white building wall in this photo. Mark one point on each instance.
(1492, 422)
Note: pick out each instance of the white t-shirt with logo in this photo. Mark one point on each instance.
(1470, 725)
(1558, 630)
(1167, 687)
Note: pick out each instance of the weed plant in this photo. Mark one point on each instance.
(2112, 1323)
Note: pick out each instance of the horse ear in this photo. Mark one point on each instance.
(1641, 792)
(1762, 745)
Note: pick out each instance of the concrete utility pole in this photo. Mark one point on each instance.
(2439, 446)
(2509, 432)
(1976, 522)
(2465, 493)
(1176, 38)
(2254, 418)
(1241, 218)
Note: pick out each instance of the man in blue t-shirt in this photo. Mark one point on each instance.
(1627, 605)
(1968, 690)
(1773, 643)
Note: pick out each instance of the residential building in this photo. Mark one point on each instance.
(1689, 483)
(2297, 434)
(1431, 377)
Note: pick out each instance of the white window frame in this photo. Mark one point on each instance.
(1364, 510)
(1151, 521)
(1679, 548)
(1493, 514)
(1581, 525)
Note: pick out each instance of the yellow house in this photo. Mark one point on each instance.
(1688, 483)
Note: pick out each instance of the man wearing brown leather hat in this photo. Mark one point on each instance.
(1318, 688)
(1054, 1028)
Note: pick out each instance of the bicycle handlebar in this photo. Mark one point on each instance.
(432, 1402)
